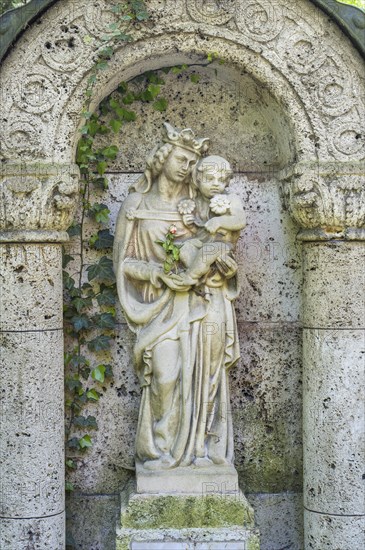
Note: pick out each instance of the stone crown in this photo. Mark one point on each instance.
(186, 139)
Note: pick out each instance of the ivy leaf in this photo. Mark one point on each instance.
(74, 230)
(81, 303)
(129, 116)
(179, 68)
(160, 105)
(103, 270)
(167, 266)
(85, 373)
(103, 239)
(102, 65)
(66, 259)
(139, 9)
(110, 152)
(80, 322)
(106, 297)
(116, 125)
(154, 89)
(101, 167)
(108, 371)
(113, 103)
(73, 384)
(108, 51)
(100, 343)
(98, 373)
(122, 88)
(105, 320)
(71, 464)
(73, 443)
(128, 99)
(100, 212)
(85, 442)
(195, 78)
(69, 487)
(83, 422)
(93, 395)
(68, 281)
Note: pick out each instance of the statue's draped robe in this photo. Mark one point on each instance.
(203, 335)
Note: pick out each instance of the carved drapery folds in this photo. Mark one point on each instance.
(37, 201)
(327, 200)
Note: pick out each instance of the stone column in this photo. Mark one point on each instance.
(328, 201)
(36, 206)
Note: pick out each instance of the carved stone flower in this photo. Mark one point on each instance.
(130, 214)
(186, 206)
(220, 204)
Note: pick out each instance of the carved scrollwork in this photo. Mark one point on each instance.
(301, 52)
(326, 204)
(67, 51)
(334, 91)
(347, 140)
(98, 20)
(36, 93)
(37, 197)
(23, 135)
(260, 20)
(215, 12)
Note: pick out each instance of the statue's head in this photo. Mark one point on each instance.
(212, 175)
(177, 157)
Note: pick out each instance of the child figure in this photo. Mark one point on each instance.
(216, 236)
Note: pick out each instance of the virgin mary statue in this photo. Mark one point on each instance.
(186, 337)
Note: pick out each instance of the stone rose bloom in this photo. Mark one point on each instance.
(220, 204)
(186, 206)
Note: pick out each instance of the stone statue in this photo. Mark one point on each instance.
(181, 310)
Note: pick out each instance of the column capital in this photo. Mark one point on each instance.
(326, 199)
(37, 201)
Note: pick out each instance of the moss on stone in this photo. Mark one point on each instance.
(156, 512)
(253, 543)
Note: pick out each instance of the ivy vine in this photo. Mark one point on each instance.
(90, 293)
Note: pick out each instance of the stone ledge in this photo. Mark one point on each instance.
(188, 539)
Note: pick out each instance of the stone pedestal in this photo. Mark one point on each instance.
(188, 480)
(210, 521)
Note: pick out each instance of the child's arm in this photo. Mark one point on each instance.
(234, 221)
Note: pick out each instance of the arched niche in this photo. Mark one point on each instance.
(307, 72)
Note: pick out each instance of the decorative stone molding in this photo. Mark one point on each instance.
(326, 200)
(326, 81)
(37, 201)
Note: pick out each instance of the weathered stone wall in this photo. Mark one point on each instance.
(292, 90)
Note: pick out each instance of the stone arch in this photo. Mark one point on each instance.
(291, 41)
(285, 47)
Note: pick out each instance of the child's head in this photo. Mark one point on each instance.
(212, 175)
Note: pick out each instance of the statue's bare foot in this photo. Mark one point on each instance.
(163, 463)
(203, 462)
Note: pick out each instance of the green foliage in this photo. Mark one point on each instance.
(172, 250)
(90, 293)
(357, 3)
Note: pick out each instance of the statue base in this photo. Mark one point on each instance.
(210, 521)
(187, 480)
